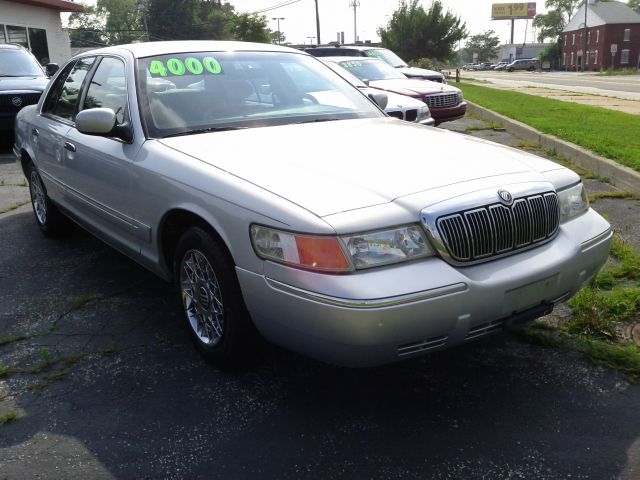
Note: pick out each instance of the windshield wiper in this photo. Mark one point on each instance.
(204, 130)
(319, 120)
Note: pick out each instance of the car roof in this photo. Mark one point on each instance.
(352, 47)
(11, 46)
(148, 49)
(340, 58)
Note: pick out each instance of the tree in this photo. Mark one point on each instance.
(552, 54)
(549, 25)
(634, 5)
(250, 27)
(124, 20)
(485, 45)
(414, 33)
(86, 29)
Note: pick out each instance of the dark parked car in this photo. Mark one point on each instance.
(22, 81)
(384, 54)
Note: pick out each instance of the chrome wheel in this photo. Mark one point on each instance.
(38, 198)
(201, 297)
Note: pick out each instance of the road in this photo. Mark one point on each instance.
(625, 87)
(110, 387)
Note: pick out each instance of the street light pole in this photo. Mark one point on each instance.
(318, 23)
(279, 33)
(311, 39)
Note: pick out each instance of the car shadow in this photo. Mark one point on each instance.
(104, 379)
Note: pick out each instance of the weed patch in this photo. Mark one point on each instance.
(8, 417)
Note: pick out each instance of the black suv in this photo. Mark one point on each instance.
(22, 81)
(380, 53)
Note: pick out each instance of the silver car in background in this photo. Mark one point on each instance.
(311, 220)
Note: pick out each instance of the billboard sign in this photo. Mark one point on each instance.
(509, 11)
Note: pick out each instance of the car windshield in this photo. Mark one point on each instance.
(18, 63)
(371, 70)
(387, 56)
(208, 91)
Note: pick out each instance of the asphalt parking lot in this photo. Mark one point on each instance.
(105, 384)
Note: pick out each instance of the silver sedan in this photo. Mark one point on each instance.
(283, 204)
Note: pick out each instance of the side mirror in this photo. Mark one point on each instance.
(96, 121)
(51, 69)
(380, 98)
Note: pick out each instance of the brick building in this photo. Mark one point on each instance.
(611, 37)
(36, 25)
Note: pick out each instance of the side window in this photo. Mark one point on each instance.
(56, 88)
(63, 103)
(108, 88)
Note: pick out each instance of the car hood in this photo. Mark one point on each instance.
(334, 167)
(23, 84)
(412, 87)
(419, 72)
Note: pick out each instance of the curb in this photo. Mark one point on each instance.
(620, 176)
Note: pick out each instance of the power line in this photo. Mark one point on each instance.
(274, 7)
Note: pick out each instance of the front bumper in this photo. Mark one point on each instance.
(450, 113)
(384, 315)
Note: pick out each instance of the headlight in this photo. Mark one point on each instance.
(573, 202)
(323, 253)
(423, 113)
(384, 247)
(340, 254)
(460, 97)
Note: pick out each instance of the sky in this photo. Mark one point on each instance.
(336, 15)
(299, 22)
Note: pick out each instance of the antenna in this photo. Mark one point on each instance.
(355, 4)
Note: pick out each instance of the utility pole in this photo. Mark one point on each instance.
(355, 4)
(279, 32)
(318, 23)
(584, 52)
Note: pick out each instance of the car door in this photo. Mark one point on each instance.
(52, 124)
(99, 168)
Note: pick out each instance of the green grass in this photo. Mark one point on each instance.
(624, 71)
(608, 133)
(8, 417)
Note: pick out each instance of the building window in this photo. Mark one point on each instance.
(597, 36)
(565, 40)
(595, 57)
(627, 35)
(571, 61)
(564, 58)
(589, 37)
(17, 35)
(573, 39)
(35, 39)
(624, 56)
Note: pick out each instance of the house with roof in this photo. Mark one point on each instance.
(36, 24)
(610, 38)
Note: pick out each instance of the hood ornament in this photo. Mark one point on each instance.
(505, 197)
(16, 101)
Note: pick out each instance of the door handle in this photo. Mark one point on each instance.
(35, 132)
(70, 146)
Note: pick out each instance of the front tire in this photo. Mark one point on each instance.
(51, 222)
(211, 300)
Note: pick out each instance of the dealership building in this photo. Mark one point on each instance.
(610, 38)
(36, 25)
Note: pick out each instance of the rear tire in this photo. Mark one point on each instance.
(51, 222)
(211, 300)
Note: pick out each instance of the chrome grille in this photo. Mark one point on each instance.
(27, 99)
(442, 100)
(411, 115)
(497, 229)
(396, 114)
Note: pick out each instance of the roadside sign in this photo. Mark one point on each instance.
(509, 11)
(614, 47)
